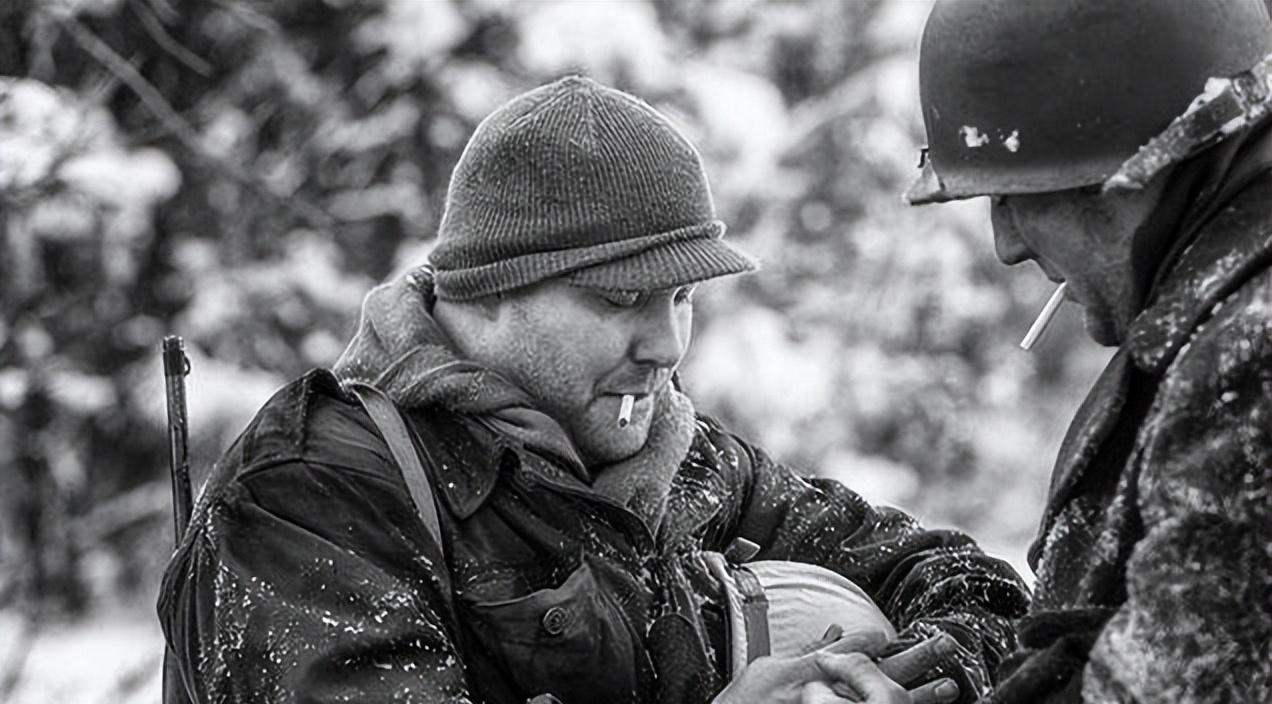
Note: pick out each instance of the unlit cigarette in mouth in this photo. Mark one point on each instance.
(1044, 318)
(625, 410)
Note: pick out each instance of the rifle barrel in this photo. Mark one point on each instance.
(175, 368)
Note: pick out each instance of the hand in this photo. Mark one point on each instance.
(909, 665)
(831, 676)
(854, 677)
(776, 680)
(904, 668)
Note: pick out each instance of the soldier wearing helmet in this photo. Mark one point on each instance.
(1126, 148)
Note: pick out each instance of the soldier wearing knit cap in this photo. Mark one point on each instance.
(501, 494)
(580, 181)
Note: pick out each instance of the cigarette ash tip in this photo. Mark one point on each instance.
(625, 410)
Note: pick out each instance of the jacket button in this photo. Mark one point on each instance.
(555, 620)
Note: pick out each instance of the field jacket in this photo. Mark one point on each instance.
(1154, 561)
(307, 576)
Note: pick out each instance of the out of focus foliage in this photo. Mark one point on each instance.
(240, 172)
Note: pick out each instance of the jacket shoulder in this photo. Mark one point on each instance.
(309, 419)
(1207, 442)
(1233, 342)
(1232, 247)
(313, 421)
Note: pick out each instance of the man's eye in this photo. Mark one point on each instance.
(622, 299)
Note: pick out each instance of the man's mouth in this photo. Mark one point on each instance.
(638, 393)
(637, 386)
(1052, 275)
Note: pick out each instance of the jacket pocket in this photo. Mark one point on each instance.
(572, 641)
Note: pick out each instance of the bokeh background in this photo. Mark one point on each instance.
(241, 172)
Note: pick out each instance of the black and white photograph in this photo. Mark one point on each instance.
(636, 351)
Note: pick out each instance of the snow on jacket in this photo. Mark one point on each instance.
(307, 576)
(1155, 558)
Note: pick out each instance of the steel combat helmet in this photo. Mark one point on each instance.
(1026, 96)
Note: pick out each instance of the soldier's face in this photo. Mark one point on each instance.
(1081, 237)
(578, 350)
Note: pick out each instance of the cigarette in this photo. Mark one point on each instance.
(1044, 318)
(625, 410)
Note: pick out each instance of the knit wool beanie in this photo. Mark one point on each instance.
(577, 179)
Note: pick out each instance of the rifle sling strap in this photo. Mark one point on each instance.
(384, 413)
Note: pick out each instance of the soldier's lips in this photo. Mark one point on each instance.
(637, 394)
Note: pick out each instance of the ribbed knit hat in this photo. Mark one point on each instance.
(577, 179)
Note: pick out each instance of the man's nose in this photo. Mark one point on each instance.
(661, 335)
(1008, 245)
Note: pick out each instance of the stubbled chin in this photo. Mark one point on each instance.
(609, 453)
(604, 443)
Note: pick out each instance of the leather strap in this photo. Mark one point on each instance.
(754, 613)
(384, 413)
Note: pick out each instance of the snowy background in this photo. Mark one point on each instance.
(240, 172)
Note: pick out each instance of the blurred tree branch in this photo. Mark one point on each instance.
(150, 96)
(154, 26)
(148, 502)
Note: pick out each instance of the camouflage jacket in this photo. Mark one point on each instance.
(1154, 562)
(307, 575)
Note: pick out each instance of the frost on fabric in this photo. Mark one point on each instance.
(1190, 512)
(277, 636)
(972, 137)
(1012, 143)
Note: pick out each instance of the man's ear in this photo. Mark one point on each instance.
(468, 323)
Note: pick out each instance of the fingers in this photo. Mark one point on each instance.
(912, 663)
(859, 672)
(790, 671)
(823, 693)
(869, 643)
(831, 635)
(941, 691)
(844, 671)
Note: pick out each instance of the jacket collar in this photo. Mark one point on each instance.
(1231, 246)
(1234, 244)
(469, 457)
(400, 348)
(466, 457)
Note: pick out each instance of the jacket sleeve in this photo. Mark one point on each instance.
(305, 582)
(925, 581)
(1197, 620)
